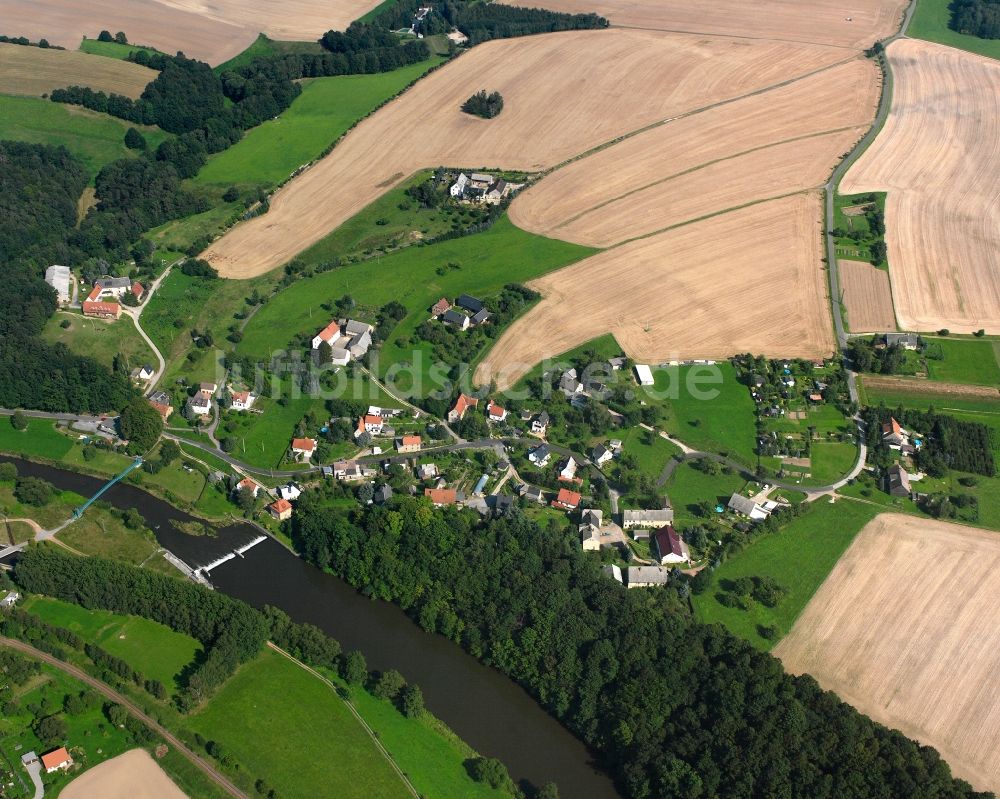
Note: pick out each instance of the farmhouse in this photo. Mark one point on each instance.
(456, 318)
(101, 310)
(241, 400)
(200, 404)
(117, 287)
(643, 374)
(441, 496)
(569, 384)
(440, 306)
(670, 547)
(897, 481)
(908, 341)
(248, 485)
(56, 760)
(481, 317)
(647, 518)
(161, 408)
(647, 576)
(894, 435)
(347, 339)
(495, 412)
(540, 423)
(280, 509)
(303, 448)
(539, 455)
(462, 404)
(59, 278)
(567, 500)
(469, 303)
(369, 424)
(457, 189)
(744, 506)
(409, 443)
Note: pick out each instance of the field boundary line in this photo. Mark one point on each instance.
(737, 36)
(364, 724)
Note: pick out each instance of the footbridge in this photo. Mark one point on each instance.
(78, 512)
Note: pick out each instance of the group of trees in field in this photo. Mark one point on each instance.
(874, 354)
(484, 105)
(674, 708)
(976, 17)
(946, 442)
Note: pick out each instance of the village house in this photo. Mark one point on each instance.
(481, 317)
(117, 287)
(469, 303)
(289, 491)
(347, 338)
(601, 455)
(408, 443)
(427, 471)
(246, 484)
(569, 383)
(908, 341)
(207, 388)
(540, 423)
(745, 506)
(369, 424)
(539, 455)
(8, 599)
(612, 570)
(457, 189)
(670, 547)
(241, 400)
(495, 412)
(56, 760)
(894, 435)
(200, 404)
(280, 509)
(142, 373)
(59, 278)
(351, 471)
(161, 408)
(441, 496)
(647, 518)
(96, 309)
(568, 471)
(462, 404)
(531, 493)
(303, 448)
(897, 481)
(456, 318)
(590, 526)
(440, 306)
(647, 576)
(567, 500)
(382, 494)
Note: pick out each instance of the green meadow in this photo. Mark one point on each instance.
(965, 360)
(930, 22)
(113, 49)
(99, 339)
(799, 558)
(688, 487)
(324, 111)
(96, 139)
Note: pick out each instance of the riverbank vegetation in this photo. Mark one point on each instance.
(657, 687)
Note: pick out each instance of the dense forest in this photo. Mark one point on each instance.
(976, 17)
(675, 708)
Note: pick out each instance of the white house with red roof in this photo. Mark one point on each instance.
(303, 448)
(280, 509)
(249, 485)
(462, 404)
(894, 435)
(370, 424)
(567, 500)
(670, 547)
(56, 760)
(241, 400)
(408, 443)
(495, 412)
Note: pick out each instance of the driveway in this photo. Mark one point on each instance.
(35, 772)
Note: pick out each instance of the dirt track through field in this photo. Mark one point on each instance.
(703, 290)
(867, 296)
(133, 775)
(36, 71)
(210, 30)
(907, 629)
(563, 95)
(853, 23)
(938, 157)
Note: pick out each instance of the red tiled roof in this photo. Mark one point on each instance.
(304, 444)
(892, 427)
(331, 332)
(55, 758)
(409, 441)
(241, 396)
(567, 498)
(667, 541)
(441, 496)
(246, 482)
(441, 306)
(496, 410)
(280, 505)
(137, 289)
(95, 293)
(160, 408)
(373, 420)
(90, 306)
(463, 403)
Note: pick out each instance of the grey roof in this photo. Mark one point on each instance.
(663, 516)
(382, 494)
(480, 316)
(481, 177)
(742, 504)
(897, 477)
(161, 397)
(353, 327)
(905, 339)
(58, 277)
(453, 317)
(542, 418)
(470, 303)
(113, 282)
(600, 451)
(540, 452)
(648, 574)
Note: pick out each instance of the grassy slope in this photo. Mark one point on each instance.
(972, 361)
(150, 648)
(488, 260)
(99, 339)
(263, 46)
(930, 22)
(687, 487)
(799, 558)
(280, 721)
(651, 451)
(326, 108)
(96, 139)
(112, 49)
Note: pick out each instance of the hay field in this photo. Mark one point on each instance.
(938, 159)
(764, 145)
(133, 775)
(906, 629)
(34, 71)
(563, 94)
(746, 281)
(855, 23)
(868, 297)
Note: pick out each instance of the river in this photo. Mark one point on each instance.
(486, 709)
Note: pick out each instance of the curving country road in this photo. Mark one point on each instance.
(109, 693)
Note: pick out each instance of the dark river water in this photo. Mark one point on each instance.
(490, 712)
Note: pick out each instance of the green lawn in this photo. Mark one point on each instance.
(324, 111)
(930, 22)
(688, 486)
(282, 723)
(40, 439)
(173, 310)
(830, 460)
(148, 647)
(415, 277)
(262, 46)
(99, 339)
(651, 451)
(96, 139)
(113, 49)
(102, 532)
(798, 558)
(707, 408)
(970, 360)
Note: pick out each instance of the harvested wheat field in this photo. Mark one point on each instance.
(771, 143)
(133, 775)
(938, 158)
(36, 71)
(746, 281)
(868, 297)
(855, 23)
(907, 629)
(564, 94)
(911, 385)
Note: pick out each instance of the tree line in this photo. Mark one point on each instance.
(976, 18)
(673, 707)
